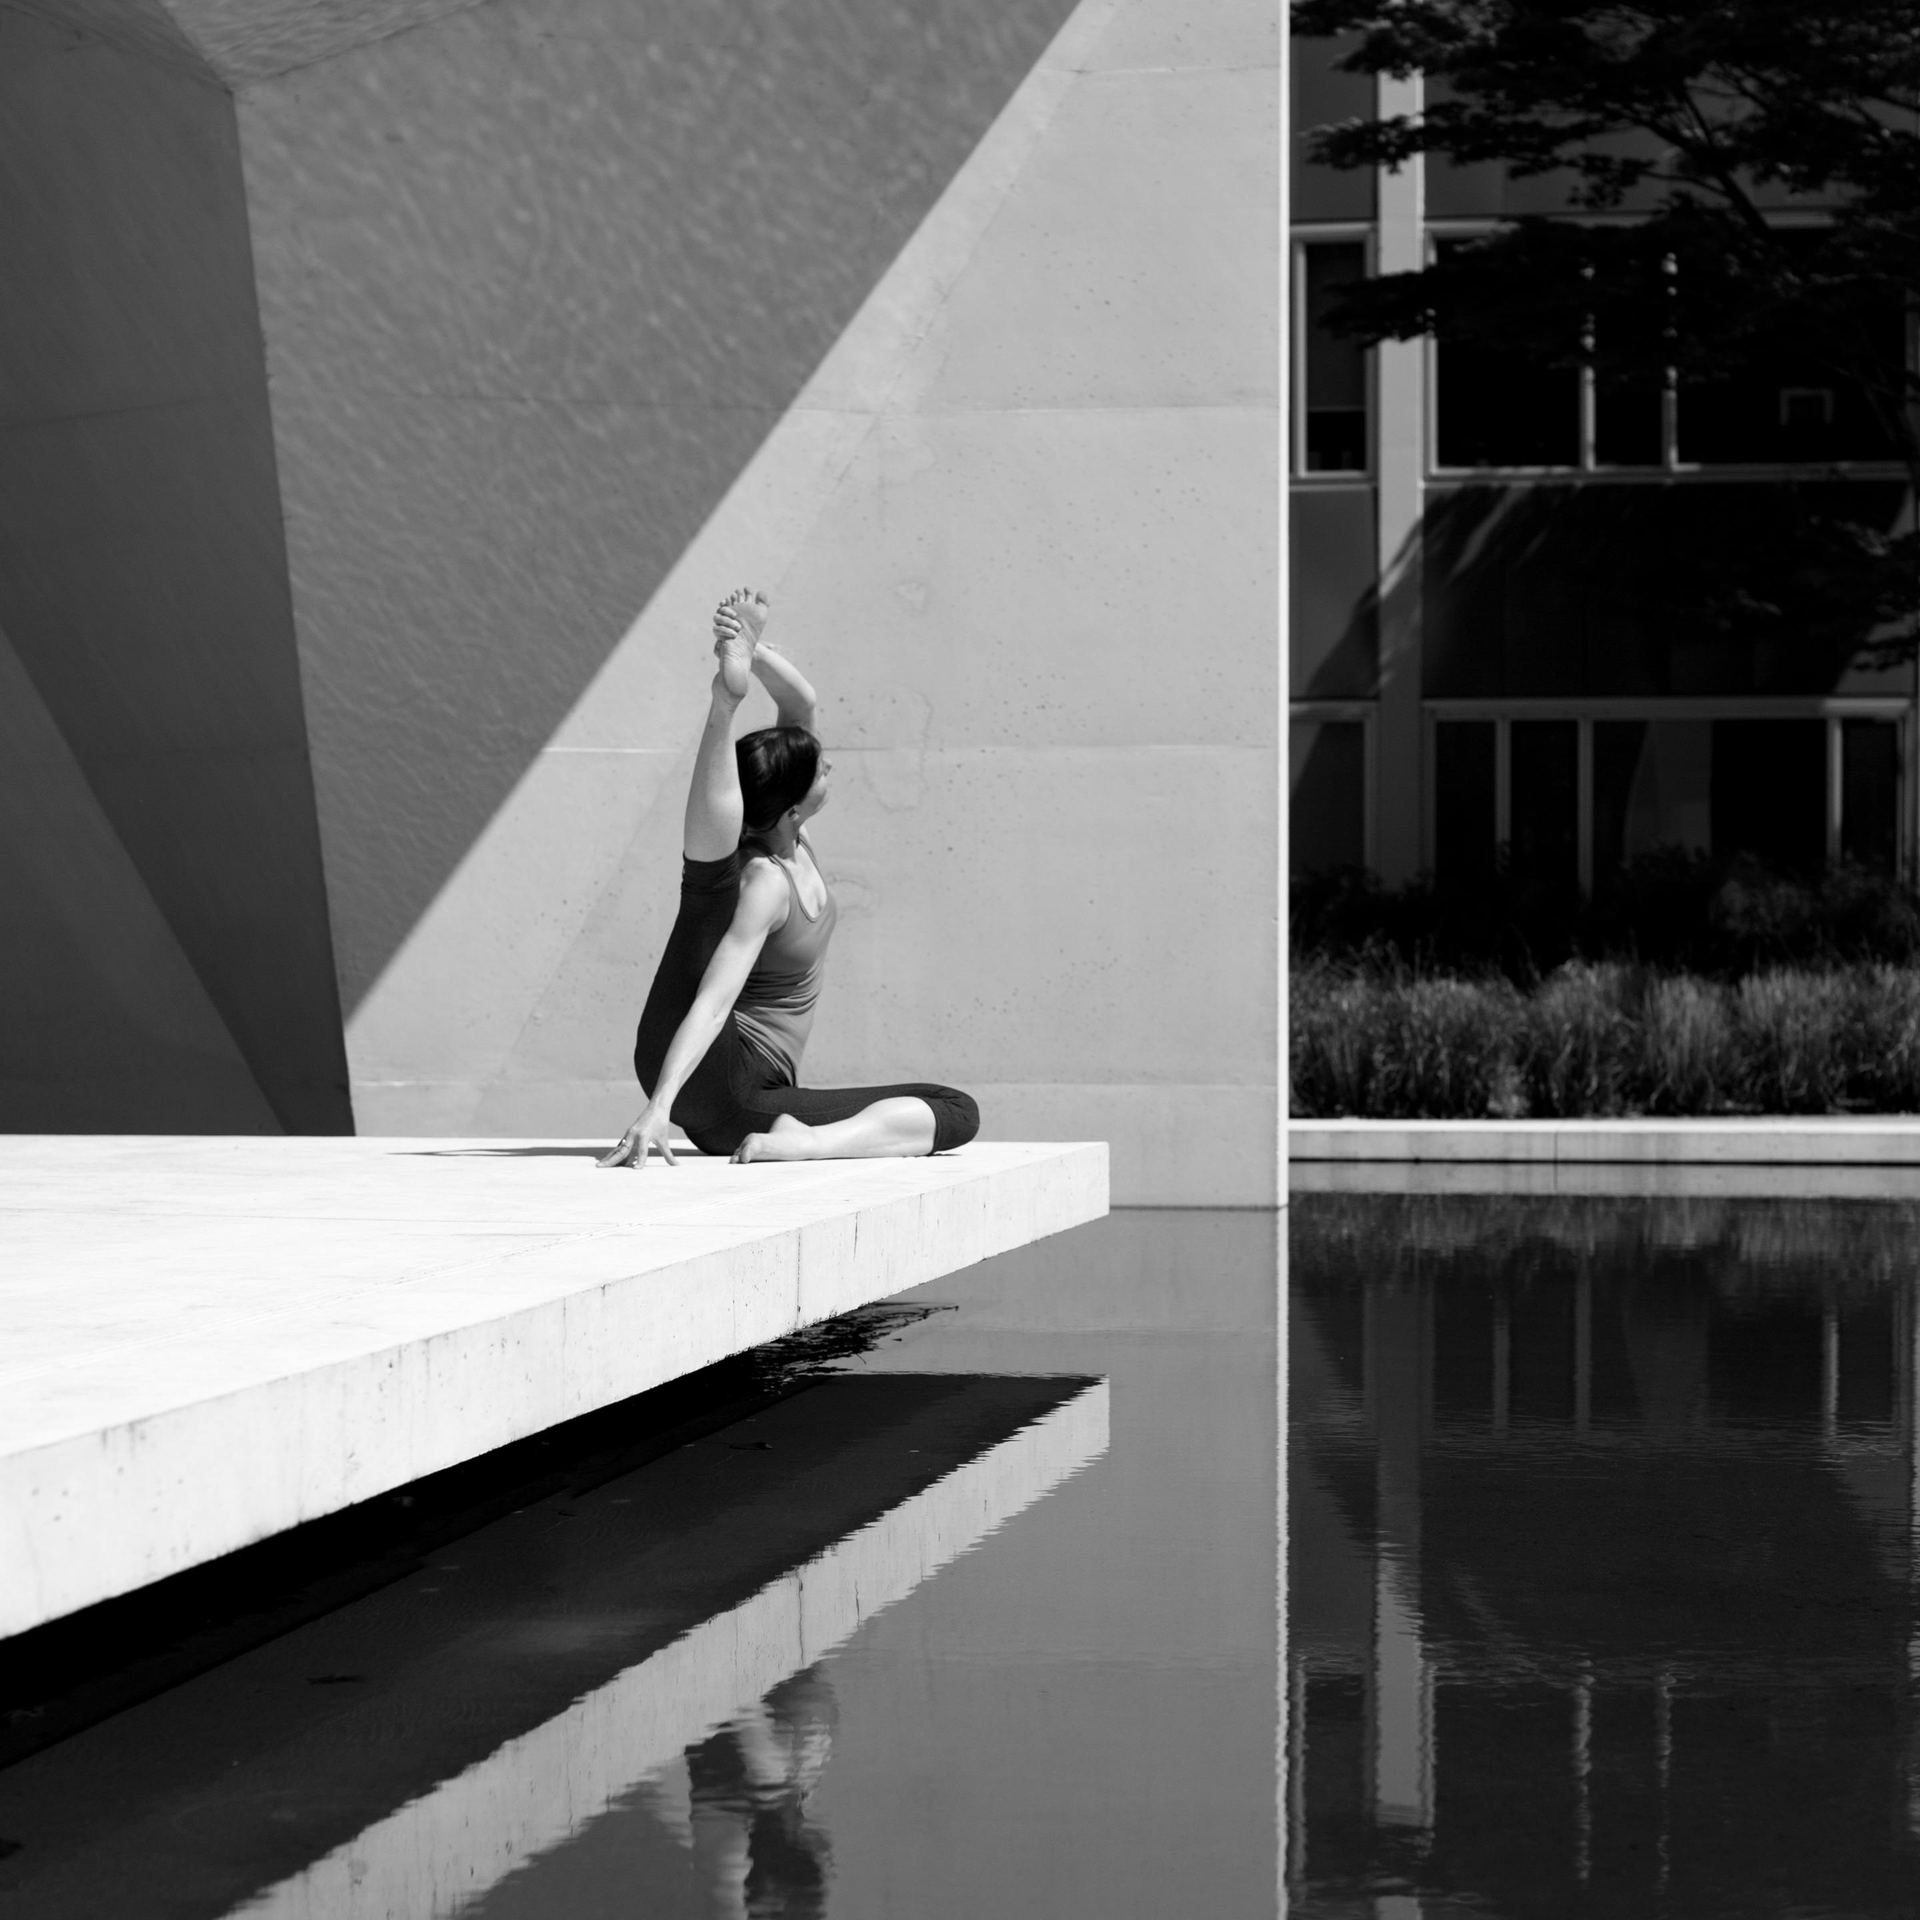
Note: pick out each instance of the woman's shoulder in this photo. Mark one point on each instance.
(763, 886)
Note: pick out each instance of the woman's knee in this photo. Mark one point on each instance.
(956, 1118)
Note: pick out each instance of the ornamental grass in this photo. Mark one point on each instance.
(1375, 1038)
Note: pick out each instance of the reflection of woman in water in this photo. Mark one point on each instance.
(732, 1002)
(755, 1851)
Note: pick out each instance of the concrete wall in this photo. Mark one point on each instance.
(958, 338)
(165, 959)
(380, 657)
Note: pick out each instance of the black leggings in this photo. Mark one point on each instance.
(736, 1090)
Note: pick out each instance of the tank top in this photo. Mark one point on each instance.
(775, 1007)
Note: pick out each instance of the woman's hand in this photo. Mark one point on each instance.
(646, 1133)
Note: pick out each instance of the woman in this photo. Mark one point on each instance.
(732, 1002)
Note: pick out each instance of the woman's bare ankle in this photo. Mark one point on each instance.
(735, 673)
(785, 1139)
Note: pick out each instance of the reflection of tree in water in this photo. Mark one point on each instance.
(757, 1853)
(1728, 1248)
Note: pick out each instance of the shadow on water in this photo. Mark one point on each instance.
(654, 1637)
(64, 1676)
(848, 1611)
(1603, 1573)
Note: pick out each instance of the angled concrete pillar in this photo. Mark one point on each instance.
(143, 581)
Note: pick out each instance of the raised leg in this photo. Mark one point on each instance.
(716, 812)
(888, 1130)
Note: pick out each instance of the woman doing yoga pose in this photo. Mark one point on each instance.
(732, 1003)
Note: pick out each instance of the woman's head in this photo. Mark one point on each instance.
(781, 771)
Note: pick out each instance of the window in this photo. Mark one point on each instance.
(1712, 786)
(1543, 811)
(1466, 832)
(1327, 808)
(1334, 370)
(1512, 785)
(1870, 792)
(1494, 408)
(1788, 409)
(1571, 797)
(1491, 408)
(1789, 406)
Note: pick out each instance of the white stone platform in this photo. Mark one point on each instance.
(207, 1341)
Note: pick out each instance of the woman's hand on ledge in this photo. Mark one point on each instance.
(649, 1131)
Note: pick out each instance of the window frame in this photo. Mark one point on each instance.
(1834, 709)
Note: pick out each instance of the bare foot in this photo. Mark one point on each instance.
(750, 609)
(786, 1139)
(733, 648)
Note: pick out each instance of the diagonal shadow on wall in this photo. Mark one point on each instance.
(537, 280)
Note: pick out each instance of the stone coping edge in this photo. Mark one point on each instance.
(1872, 1141)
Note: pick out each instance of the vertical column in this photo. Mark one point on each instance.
(1584, 830)
(1836, 788)
(1909, 848)
(1400, 1678)
(1663, 1755)
(1583, 1351)
(1583, 1773)
(1294, 1854)
(1502, 1360)
(1290, 1745)
(1829, 1373)
(1908, 854)
(1400, 461)
(1907, 1424)
(1503, 784)
(1282, 718)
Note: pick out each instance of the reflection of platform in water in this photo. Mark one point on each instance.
(483, 1711)
(210, 1341)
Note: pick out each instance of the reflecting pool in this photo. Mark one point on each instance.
(1604, 1558)
(963, 1607)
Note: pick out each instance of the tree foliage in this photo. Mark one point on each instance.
(1744, 177)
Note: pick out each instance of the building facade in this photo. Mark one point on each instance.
(1499, 649)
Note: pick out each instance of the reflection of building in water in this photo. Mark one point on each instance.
(1603, 1537)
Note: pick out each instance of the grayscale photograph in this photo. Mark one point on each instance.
(643, 1012)
(1602, 1494)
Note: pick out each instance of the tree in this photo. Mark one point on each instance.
(1675, 123)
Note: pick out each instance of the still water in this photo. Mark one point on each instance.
(1604, 1558)
(969, 1611)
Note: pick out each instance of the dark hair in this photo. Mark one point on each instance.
(777, 770)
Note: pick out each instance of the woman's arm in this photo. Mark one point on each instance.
(763, 902)
(746, 613)
(793, 698)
